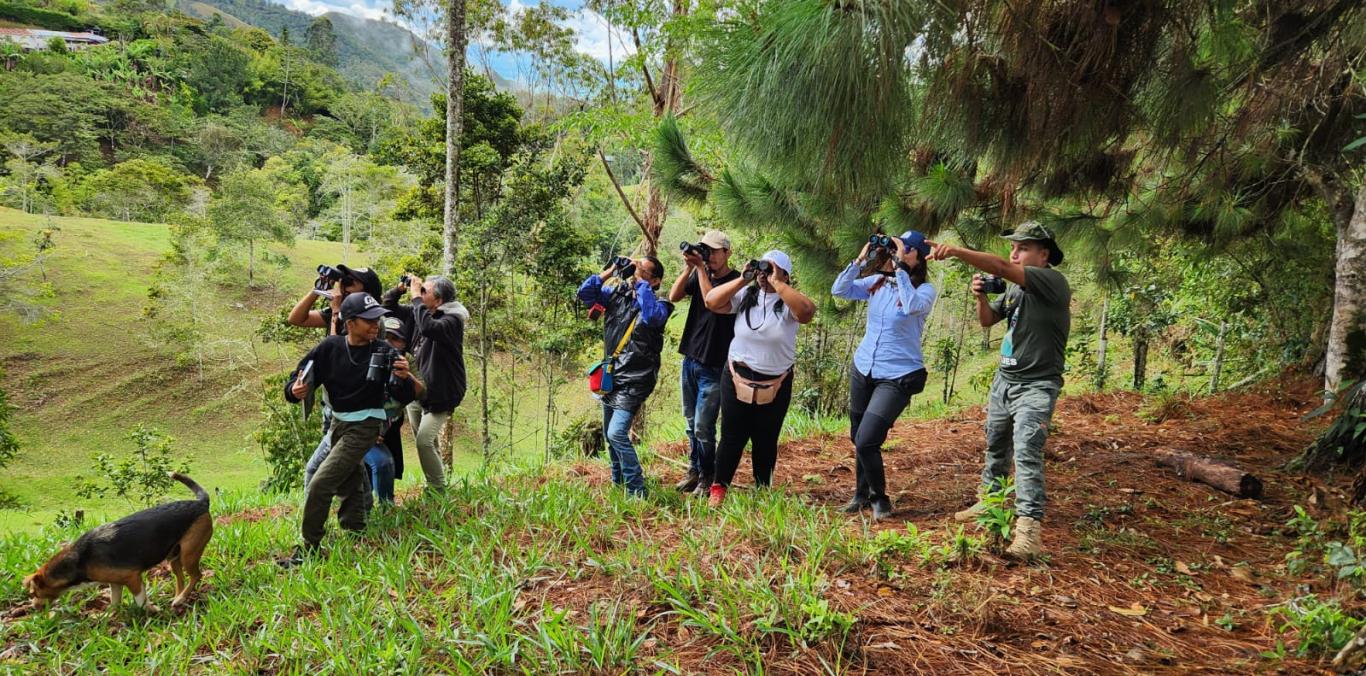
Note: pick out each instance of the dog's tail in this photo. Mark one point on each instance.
(199, 492)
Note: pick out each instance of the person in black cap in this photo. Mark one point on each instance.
(1036, 307)
(341, 365)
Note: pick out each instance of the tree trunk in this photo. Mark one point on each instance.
(251, 262)
(1103, 343)
(1140, 362)
(455, 104)
(1222, 476)
(1218, 358)
(1345, 359)
(986, 339)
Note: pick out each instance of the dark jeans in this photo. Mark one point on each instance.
(755, 424)
(874, 404)
(341, 474)
(701, 405)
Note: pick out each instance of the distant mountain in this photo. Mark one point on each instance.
(366, 48)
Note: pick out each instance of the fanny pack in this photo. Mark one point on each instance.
(757, 392)
(600, 374)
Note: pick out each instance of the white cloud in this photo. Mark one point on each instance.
(591, 37)
(316, 7)
(590, 33)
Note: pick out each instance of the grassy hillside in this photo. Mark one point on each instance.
(551, 570)
(86, 374)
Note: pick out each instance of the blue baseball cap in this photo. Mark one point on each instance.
(914, 239)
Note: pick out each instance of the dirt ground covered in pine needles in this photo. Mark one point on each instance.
(1145, 572)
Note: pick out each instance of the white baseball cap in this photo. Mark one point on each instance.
(779, 259)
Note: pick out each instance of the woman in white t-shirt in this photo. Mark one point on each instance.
(756, 387)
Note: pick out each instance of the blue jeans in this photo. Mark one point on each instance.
(701, 405)
(379, 462)
(626, 471)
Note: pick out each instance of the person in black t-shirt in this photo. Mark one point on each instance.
(341, 365)
(704, 345)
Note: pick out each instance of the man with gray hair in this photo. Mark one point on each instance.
(438, 345)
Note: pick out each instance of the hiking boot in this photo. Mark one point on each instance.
(688, 483)
(970, 514)
(1028, 539)
(882, 508)
(855, 505)
(298, 557)
(703, 488)
(718, 495)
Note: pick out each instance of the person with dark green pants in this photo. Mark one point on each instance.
(1036, 308)
(359, 373)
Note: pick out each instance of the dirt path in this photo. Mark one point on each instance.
(1144, 567)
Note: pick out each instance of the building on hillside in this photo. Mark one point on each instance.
(33, 39)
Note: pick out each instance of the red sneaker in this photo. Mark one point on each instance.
(718, 495)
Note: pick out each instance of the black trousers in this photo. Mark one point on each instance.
(874, 404)
(754, 424)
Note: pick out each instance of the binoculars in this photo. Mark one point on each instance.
(405, 280)
(329, 273)
(882, 242)
(381, 366)
(699, 249)
(993, 284)
(753, 268)
(625, 268)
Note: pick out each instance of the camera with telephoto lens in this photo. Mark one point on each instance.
(699, 249)
(993, 284)
(381, 367)
(881, 242)
(754, 268)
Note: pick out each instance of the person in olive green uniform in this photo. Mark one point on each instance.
(1036, 308)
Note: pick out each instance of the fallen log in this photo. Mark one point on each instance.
(1220, 475)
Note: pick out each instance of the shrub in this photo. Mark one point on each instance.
(144, 477)
(285, 438)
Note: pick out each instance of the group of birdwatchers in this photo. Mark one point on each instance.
(739, 348)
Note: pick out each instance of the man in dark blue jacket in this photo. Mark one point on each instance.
(633, 331)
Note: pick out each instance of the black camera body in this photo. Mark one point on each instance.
(698, 249)
(993, 284)
(381, 365)
(754, 268)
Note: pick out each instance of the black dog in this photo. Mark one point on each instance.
(118, 553)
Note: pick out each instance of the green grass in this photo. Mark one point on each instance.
(503, 574)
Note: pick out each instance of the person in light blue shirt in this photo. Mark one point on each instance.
(889, 367)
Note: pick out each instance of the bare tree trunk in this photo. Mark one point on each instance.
(1345, 359)
(1218, 358)
(455, 104)
(1140, 362)
(1104, 341)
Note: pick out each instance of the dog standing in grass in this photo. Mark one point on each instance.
(119, 553)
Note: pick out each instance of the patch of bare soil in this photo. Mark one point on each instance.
(1145, 571)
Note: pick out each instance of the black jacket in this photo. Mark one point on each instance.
(438, 347)
(341, 370)
(637, 367)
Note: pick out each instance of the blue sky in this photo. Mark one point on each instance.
(589, 27)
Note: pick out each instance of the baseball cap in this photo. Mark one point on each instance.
(397, 328)
(779, 259)
(915, 240)
(368, 279)
(716, 240)
(1033, 231)
(361, 306)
